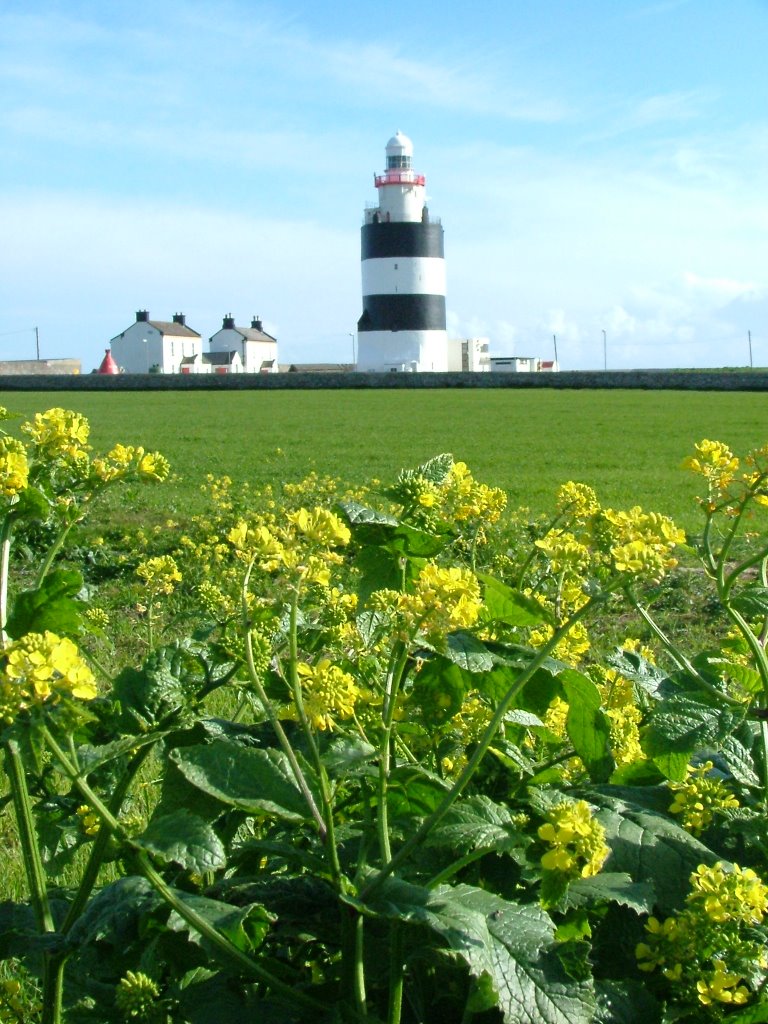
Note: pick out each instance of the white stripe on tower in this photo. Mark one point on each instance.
(402, 326)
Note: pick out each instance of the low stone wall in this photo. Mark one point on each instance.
(650, 380)
(38, 367)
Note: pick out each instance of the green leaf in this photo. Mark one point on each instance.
(436, 469)
(169, 680)
(414, 792)
(587, 725)
(503, 604)
(32, 504)
(52, 606)
(751, 1014)
(611, 887)
(740, 761)
(530, 980)
(510, 944)
(245, 927)
(253, 780)
(751, 601)
(749, 679)
(478, 823)
(206, 996)
(90, 758)
(183, 838)
(358, 514)
(625, 1002)
(343, 754)
(637, 670)
(439, 688)
(687, 722)
(409, 542)
(467, 652)
(378, 570)
(649, 847)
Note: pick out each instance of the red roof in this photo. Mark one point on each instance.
(108, 364)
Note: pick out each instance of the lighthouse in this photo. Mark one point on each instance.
(402, 327)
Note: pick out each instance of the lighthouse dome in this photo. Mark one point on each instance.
(399, 145)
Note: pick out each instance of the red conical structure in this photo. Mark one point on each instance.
(108, 364)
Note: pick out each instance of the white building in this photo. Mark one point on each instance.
(157, 346)
(468, 355)
(523, 364)
(402, 327)
(256, 349)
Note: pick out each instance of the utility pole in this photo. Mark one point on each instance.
(605, 352)
(749, 338)
(37, 344)
(554, 339)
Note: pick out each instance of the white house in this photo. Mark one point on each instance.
(468, 355)
(159, 346)
(257, 349)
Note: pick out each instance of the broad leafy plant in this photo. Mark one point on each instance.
(386, 777)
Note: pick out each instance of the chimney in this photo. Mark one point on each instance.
(142, 316)
(229, 323)
(256, 324)
(178, 318)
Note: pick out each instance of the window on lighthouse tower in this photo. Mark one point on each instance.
(399, 162)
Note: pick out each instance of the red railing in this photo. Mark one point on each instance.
(399, 178)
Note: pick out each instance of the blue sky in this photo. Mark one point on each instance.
(599, 165)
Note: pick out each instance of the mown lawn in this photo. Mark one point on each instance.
(626, 444)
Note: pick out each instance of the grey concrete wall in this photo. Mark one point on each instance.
(666, 380)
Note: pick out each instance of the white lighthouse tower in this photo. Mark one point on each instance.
(403, 322)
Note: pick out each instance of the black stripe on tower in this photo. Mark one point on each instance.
(402, 238)
(402, 313)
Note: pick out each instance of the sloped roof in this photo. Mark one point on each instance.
(248, 333)
(171, 327)
(220, 358)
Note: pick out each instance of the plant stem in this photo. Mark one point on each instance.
(52, 552)
(294, 682)
(484, 743)
(5, 558)
(677, 656)
(221, 942)
(396, 973)
(394, 678)
(359, 968)
(274, 721)
(36, 880)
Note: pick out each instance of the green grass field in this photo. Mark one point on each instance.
(626, 444)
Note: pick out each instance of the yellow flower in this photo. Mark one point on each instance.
(716, 463)
(153, 466)
(576, 838)
(161, 574)
(736, 895)
(328, 693)
(640, 543)
(722, 987)
(40, 666)
(14, 468)
(578, 500)
(321, 526)
(59, 432)
(564, 551)
(88, 819)
(700, 798)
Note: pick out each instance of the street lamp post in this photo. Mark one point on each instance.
(354, 357)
